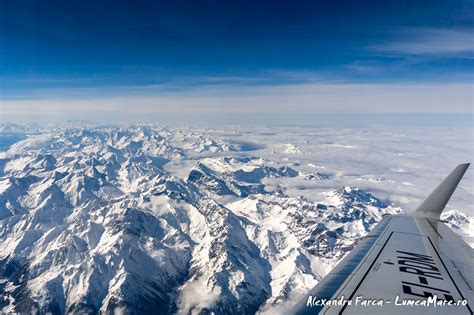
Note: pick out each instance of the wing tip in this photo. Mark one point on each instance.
(463, 166)
(435, 203)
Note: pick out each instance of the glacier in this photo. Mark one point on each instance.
(154, 220)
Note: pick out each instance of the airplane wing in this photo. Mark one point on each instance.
(409, 259)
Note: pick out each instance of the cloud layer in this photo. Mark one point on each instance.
(299, 98)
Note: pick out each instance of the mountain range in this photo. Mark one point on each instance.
(147, 219)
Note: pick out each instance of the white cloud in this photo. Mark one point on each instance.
(195, 297)
(428, 41)
(299, 98)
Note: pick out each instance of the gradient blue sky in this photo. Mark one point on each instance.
(144, 57)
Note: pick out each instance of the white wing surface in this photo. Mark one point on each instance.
(409, 264)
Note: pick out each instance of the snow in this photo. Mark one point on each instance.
(292, 149)
(147, 218)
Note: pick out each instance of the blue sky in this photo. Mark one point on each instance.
(244, 56)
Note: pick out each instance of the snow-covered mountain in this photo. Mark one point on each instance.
(146, 219)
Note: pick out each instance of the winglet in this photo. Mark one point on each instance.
(437, 200)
